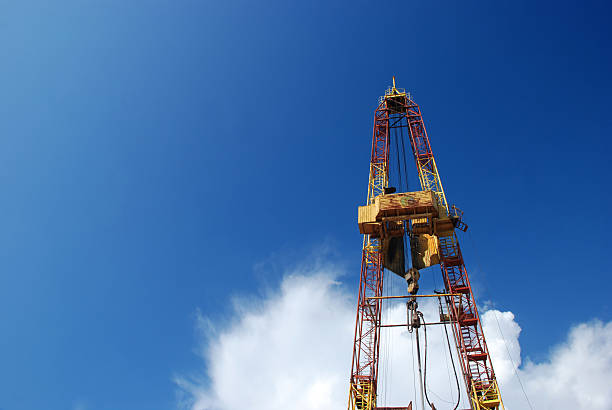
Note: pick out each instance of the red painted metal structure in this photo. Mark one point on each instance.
(396, 109)
(364, 373)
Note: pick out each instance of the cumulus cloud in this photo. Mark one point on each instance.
(577, 374)
(292, 350)
(289, 351)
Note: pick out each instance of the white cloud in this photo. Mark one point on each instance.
(577, 375)
(292, 350)
(280, 353)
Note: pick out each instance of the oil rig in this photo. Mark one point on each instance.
(405, 232)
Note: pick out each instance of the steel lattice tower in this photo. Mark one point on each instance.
(396, 109)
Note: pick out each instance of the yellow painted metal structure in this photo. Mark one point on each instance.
(434, 227)
(486, 398)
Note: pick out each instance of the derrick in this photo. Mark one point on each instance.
(422, 222)
(364, 373)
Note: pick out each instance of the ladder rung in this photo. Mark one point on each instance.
(477, 357)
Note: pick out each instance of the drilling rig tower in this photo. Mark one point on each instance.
(403, 233)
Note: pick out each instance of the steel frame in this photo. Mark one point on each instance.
(364, 372)
(476, 366)
(423, 155)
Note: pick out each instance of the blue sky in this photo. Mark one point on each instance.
(160, 157)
